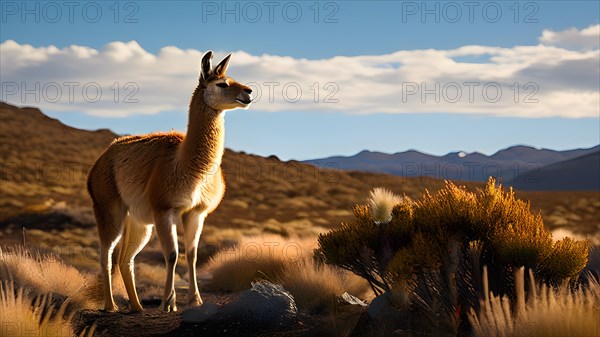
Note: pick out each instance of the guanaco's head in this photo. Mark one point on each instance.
(222, 92)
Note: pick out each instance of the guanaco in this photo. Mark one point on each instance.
(165, 181)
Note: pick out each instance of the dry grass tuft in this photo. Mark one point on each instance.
(257, 257)
(381, 202)
(547, 311)
(46, 274)
(288, 261)
(22, 315)
(316, 286)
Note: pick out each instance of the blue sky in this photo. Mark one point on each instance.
(346, 36)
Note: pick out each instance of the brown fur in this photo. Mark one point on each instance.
(164, 180)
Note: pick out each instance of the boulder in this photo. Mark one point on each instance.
(386, 311)
(199, 314)
(265, 303)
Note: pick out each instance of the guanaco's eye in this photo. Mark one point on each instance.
(222, 85)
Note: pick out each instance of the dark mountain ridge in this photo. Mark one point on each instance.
(512, 165)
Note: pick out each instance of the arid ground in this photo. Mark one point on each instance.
(44, 205)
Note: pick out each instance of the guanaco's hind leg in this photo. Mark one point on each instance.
(109, 218)
(192, 226)
(135, 238)
(166, 229)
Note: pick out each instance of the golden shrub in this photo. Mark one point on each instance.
(566, 259)
(419, 237)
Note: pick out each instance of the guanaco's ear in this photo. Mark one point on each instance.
(206, 65)
(221, 69)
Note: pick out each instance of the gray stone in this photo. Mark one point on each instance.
(379, 305)
(386, 311)
(266, 303)
(199, 314)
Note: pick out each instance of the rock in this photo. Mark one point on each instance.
(386, 311)
(347, 314)
(388, 303)
(379, 304)
(266, 304)
(350, 299)
(199, 314)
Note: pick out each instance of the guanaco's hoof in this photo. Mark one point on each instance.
(169, 308)
(195, 301)
(136, 309)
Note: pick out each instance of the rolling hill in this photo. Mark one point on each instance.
(44, 163)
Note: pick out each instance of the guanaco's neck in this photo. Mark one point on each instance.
(202, 148)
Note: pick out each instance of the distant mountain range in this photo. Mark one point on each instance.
(523, 167)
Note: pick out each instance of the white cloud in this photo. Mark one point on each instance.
(552, 79)
(587, 38)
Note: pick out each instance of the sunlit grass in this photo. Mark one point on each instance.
(547, 311)
(288, 261)
(46, 274)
